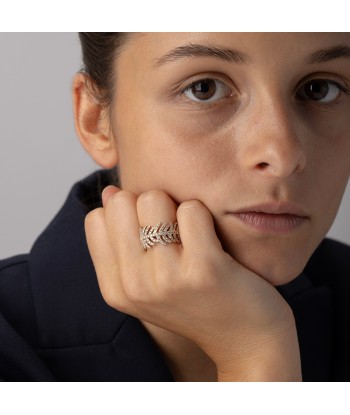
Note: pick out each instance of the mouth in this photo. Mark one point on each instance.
(272, 217)
(269, 222)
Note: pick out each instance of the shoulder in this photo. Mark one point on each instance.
(13, 262)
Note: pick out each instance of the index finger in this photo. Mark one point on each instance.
(197, 229)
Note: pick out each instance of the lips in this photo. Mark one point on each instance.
(268, 222)
(272, 217)
(285, 208)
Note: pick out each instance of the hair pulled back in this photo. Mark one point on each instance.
(99, 52)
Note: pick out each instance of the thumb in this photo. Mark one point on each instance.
(108, 192)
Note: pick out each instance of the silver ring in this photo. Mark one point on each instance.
(165, 233)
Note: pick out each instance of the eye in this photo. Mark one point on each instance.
(323, 91)
(206, 90)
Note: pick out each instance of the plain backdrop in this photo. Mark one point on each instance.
(40, 154)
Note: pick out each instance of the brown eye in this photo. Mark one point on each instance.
(321, 90)
(206, 90)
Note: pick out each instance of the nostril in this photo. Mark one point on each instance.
(262, 165)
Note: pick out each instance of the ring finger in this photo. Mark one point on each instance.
(154, 207)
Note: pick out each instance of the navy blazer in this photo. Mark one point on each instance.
(55, 325)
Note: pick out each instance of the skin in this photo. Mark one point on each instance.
(256, 143)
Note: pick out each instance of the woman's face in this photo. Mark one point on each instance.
(256, 130)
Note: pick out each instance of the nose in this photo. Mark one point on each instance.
(272, 146)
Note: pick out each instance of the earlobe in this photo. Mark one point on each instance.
(92, 125)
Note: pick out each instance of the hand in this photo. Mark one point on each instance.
(194, 289)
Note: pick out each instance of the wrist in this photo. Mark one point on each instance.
(276, 360)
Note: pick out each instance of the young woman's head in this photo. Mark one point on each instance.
(231, 119)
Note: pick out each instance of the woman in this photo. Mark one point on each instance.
(238, 143)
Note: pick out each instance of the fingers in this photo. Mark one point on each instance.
(107, 192)
(196, 224)
(116, 250)
(138, 270)
(197, 229)
(123, 224)
(127, 274)
(155, 207)
(102, 255)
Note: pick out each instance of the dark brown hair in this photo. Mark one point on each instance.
(99, 53)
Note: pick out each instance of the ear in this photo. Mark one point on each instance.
(92, 125)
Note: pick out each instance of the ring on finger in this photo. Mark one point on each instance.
(163, 233)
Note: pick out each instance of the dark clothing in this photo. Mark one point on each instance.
(55, 325)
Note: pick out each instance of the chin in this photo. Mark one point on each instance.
(279, 273)
(276, 263)
(278, 259)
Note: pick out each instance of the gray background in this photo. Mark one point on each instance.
(40, 154)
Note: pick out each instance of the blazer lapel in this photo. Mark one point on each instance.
(80, 336)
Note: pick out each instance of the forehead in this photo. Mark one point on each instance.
(147, 49)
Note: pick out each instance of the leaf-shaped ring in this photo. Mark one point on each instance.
(163, 233)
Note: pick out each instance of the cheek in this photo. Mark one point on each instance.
(175, 154)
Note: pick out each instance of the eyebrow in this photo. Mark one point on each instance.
(326, 55)
(200, 51)
(234, 56)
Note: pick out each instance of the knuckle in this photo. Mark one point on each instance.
(152, 195)
(106, 286)
(121, 197)
(133, 291)
(108, 294)
(112, 293)
(117, 302)
(92, 217)
(108, 297)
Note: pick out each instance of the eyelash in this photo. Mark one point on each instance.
(197, 81)
(342, 88)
